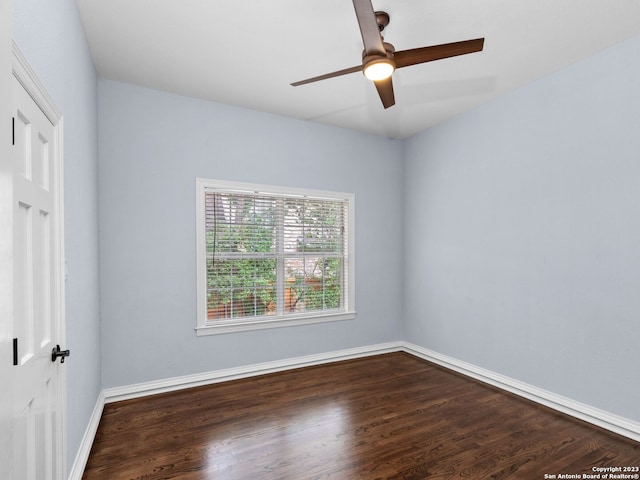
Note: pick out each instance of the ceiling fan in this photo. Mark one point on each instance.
(379, 58)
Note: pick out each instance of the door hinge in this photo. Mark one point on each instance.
(13, 130)
(15, 351)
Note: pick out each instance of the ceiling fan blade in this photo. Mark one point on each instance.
(328, 75)
(405, 58)
(369, 28)
(385, 90)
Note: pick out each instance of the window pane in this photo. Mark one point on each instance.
(313, 226)
(240, 223)
(241, 288)
(313, 283)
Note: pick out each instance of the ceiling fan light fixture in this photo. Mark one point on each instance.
(379, 68)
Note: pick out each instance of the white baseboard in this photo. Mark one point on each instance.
(614, 423)
(77, 469)
(622, 426)
(178, 383)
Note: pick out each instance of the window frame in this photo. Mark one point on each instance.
(204, 326)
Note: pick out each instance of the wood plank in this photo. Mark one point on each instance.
(390, 416)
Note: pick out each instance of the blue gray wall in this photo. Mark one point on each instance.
(153, 145)
(522, 235)
(52, 38)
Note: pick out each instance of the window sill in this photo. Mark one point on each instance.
(233, 326)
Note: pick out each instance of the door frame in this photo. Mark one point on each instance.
(26, 76)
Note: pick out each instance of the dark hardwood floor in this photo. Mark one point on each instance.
(391, 416)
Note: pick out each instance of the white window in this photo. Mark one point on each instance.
(271, 256)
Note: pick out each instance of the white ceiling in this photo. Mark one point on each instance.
(247, 52)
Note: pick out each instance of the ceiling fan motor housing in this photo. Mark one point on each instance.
(382, 19)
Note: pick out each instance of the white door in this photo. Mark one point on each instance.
(6, 245)
(38, 437)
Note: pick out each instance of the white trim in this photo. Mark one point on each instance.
(29, 80)
(242, 187)
(80, 462)
(117, 394)
(620, 425)
(234, 326)
(201, 247)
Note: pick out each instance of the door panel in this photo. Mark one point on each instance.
(37, 292)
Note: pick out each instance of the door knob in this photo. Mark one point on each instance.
(56, 352)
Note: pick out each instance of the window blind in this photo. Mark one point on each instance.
(274, 255)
